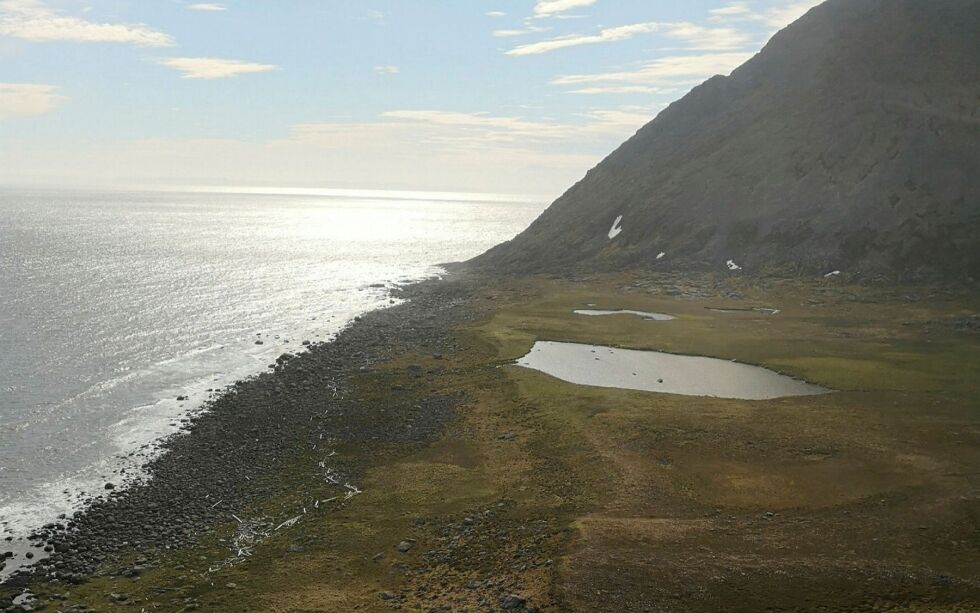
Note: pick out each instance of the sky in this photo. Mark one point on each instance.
(502, 96)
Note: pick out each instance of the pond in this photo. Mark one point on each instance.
(762, 310)
(667, 373)
(643, 314)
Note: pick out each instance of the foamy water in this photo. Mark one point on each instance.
(114, 304)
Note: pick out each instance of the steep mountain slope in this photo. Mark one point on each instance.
(851, 142)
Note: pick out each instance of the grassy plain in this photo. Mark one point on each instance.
(588, 499)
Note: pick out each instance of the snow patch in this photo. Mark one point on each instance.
(661, 255)
(616, 229)
(732, 265)
(835, 273)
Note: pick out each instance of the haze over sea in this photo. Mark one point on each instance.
(114, 304)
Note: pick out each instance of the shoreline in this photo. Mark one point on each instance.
(166, 395)
(227, 456)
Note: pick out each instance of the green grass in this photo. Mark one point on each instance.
(645, 495)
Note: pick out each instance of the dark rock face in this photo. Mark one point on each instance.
(851, 142)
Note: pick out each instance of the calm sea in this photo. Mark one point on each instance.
(113, 304)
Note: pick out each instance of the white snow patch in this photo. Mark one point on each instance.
(616, 229)
(835, 273)
(661, 255)
(732, 265)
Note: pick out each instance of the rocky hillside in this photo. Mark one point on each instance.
(851, 142)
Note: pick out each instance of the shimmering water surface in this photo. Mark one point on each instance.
(114, 304)
(667, 373)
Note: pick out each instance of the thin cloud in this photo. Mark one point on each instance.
(619, 89)
(213, 68)
(777, 17)
(207, 6)
(664, 71)
(735, 9)
(495, 128)
(33, 21)
(470, 129)
(26, 99)
(780, 17)
(698, 37)
(521, 32)
(495, 14)
(549, 8)
(386, 69)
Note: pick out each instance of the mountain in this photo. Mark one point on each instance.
(850, 142)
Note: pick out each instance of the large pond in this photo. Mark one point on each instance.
(668, 373)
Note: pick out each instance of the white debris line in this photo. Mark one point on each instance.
(616, 229)
(352, 490)
(329, 474)
(287, 523)
(248, 534)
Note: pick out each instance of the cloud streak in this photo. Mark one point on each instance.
(776, 17)
(207, 6)
(549, 8)
(472, 130)
(663, 72)
(734, 9)
(26, 99)
(32, 21)
(213, 68)
(696, 36)
(780, 17)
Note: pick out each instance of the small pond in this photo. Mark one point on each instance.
(643, 314)
(667, 373)
(762, 310)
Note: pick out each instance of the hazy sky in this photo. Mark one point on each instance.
(516, 96)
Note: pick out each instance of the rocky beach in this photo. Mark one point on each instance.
(236, 451)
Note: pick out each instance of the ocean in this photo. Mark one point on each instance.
(114, 304)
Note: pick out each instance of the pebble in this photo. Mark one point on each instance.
(405, 546)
